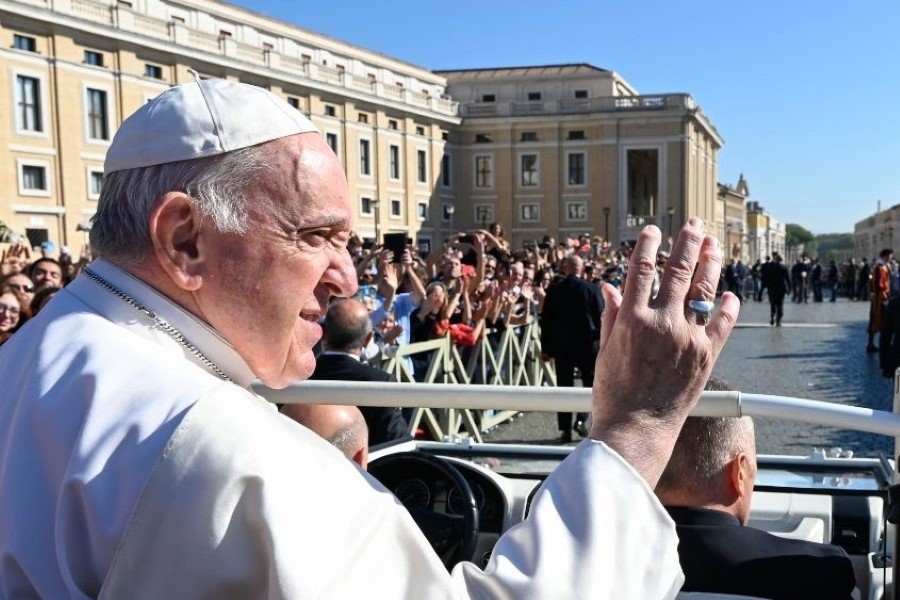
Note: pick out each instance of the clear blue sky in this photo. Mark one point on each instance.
(806, 93)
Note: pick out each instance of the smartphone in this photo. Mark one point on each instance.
(396, 243)
(467, 239)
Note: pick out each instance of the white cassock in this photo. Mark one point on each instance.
(129, 470)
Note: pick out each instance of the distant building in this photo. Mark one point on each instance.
(569, 149)
(877, 232)
(561, 149)
(765, 234)
(73, 68)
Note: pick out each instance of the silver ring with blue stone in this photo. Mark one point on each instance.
(701, 308)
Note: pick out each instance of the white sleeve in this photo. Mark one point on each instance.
(596, 530)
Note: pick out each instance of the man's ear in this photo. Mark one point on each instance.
(368, 339)
(177, 242)
(740, 475)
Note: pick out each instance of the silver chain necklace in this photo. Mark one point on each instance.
(159, 324)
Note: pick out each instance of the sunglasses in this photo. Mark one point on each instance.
(21, 287)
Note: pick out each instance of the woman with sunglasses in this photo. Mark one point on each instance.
(9, 313)
(22, 286)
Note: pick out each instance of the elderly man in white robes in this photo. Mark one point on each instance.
(136, 464)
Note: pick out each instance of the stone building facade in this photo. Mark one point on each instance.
(556, 150)
(569, 149)
(72, 68)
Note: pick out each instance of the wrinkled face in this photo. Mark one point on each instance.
(265, 291)
(46, 274)
(9, 312)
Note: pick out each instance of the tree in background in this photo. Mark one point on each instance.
(835, 246)
(799, 237)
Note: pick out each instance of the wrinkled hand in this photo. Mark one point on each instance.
(655, 357)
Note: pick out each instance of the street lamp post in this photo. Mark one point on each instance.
(450, 210)
(606, 218)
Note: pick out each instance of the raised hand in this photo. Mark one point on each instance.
(656, 354)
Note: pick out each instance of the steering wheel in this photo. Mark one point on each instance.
(453, 537)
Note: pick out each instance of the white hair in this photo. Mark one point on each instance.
(119, 229)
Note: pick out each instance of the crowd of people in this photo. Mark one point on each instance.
(28, 280)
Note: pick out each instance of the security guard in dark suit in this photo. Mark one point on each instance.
(570, 335)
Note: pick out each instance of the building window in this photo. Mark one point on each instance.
(445, 170)
(363, 118)
(576, 134)
(422, 166)
(488, 98)
(529, 136)
(294, 102)
(396, 208)
(330, 111)
(484, 171)
(576, 211)
(28, 104)
(332, 140)
(580, 94)
(24, 42)
(422, 210)
(365, 158)
(420, 130)
(484, 214)
(366, 206)
(34, 178)
(445, 135)
(95, 183)
(576, 168)
(530, 211)
(533, 96)
(153, 71)
(392, 124)
(529, 163)
(395, 161)
(93, 58)
(483, 138)
(97, 115)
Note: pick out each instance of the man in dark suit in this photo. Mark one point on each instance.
(570, 334)
(776, 279)
(706, 488)
(347, 330)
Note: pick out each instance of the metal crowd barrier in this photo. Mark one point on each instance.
(508, 357)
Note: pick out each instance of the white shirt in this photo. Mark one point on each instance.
(128, 470)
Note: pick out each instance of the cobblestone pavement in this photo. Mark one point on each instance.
(818, 353)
